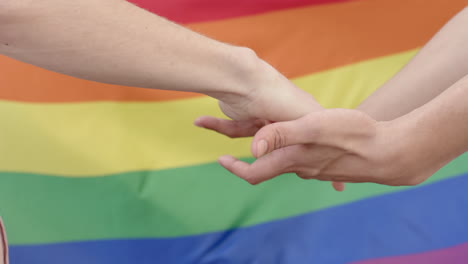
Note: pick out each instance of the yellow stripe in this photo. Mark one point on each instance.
(89, 139)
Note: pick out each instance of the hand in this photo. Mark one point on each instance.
(268, 97)
(271, 98)
(335, 145)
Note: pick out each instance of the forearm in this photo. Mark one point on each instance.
(115, 42)
(438, 65)
(437, 132)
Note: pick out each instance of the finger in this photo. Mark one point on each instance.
(282, 134)
(338, 186)
(276, 163)
(339, 128)
(230, 128)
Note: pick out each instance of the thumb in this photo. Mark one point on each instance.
(282, 134)
(339, 128)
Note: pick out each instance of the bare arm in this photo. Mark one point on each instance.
(113, 41)
(406, 131)
(438, 131)
(348, 146)
(441, 63)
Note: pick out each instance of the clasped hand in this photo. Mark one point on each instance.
(294, 134)
(338, 145)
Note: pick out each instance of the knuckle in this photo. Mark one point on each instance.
(279, 138)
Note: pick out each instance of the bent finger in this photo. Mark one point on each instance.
(230, 128)
(274, 164)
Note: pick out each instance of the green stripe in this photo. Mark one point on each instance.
(176, 202)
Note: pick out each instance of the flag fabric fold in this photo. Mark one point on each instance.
(84, 178)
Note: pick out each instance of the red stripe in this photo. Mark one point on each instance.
(190, 11)
(297, 42)
(453, 255)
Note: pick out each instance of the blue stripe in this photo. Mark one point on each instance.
(420, 219)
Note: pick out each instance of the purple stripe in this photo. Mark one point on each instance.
(453, 255)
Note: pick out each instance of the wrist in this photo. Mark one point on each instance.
(397, 153)
(417, 154)
(260, 90)
(241, 65)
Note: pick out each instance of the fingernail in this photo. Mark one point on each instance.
(262, 147)
(223, 160)
(198, 124)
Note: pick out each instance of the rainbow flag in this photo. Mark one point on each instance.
(102, 174)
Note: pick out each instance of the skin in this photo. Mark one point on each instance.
(400, 135)
(397, 152)
(3, 245)
(96, 40)
(439, 64)
(113, 41)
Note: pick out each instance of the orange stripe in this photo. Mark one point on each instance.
(296, 41)
(24, 82)
(306, 40)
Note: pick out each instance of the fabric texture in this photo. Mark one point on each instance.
(85, 178)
